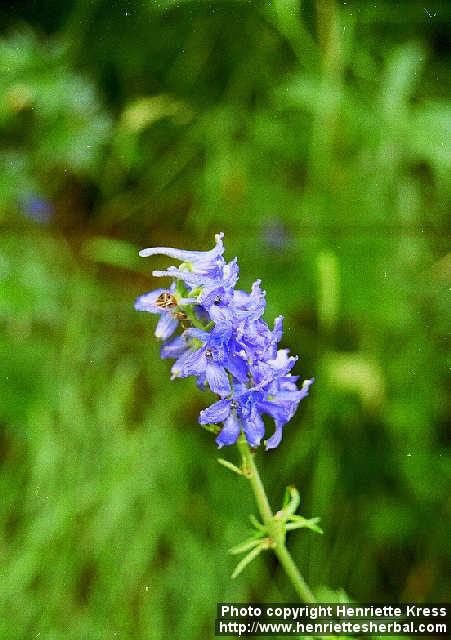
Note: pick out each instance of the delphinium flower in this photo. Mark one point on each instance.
(225, 344)
(216, 333)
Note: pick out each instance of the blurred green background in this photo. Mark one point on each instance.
(316, 136)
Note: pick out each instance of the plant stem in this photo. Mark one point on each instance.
(275, 528)
(193, 318)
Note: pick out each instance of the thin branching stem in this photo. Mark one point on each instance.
(275, 527)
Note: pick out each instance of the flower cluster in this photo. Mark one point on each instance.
(224, 343)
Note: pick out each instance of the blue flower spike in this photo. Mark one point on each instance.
(225, 344)
(216, 333)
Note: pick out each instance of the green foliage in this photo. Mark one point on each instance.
(50, 117)
(315, 137)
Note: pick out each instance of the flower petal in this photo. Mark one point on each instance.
(237, 367)
(174, 348)
(166, 326)
(231, 273)
(277, 331)
(230, 432)
(147, 301)
(200, 260)
(217, 379)
(254, 428)
(195, 363)
(305, 387)
(190, 278)
(177, 370)
(275, 439)
(222, 316)
(217, 412)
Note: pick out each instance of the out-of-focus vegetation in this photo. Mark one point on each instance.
(317, 138)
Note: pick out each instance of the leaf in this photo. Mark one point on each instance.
(256, 523)
(298, 522)
(247, 560)
(246, 545)
(291, 501)
(230, 466)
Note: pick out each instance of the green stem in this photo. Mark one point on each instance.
(193, 318)
(274, 527)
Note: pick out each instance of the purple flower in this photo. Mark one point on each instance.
(208, 360)
(283, 400)
(219, 291)
(165, 303)
(161, 302)
(197, 268)
(225, 344)
(238, 414)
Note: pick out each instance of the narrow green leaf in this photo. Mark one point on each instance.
(230, 466)
(298, 522)
(292, 500)
(258, 525)
(246, 545)
(247, 560)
